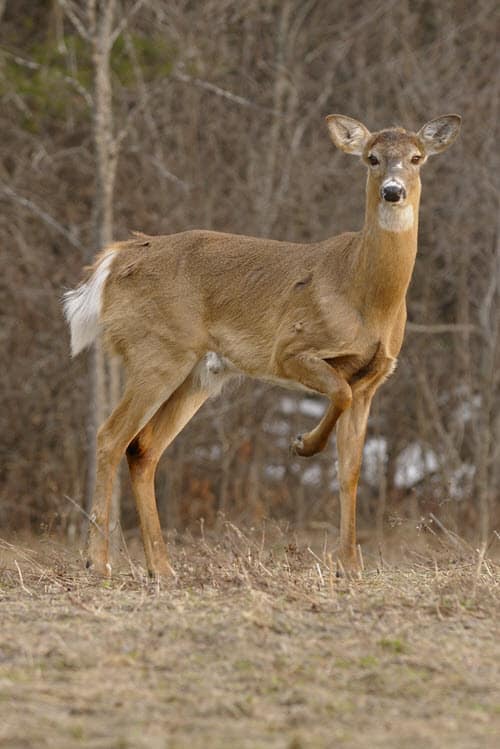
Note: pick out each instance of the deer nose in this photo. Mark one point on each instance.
(393, 191)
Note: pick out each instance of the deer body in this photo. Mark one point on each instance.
(189, 310)
(298, 291)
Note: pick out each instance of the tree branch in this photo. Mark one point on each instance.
(123, 23)
(414, 327)
(222, 92)
(68, 10)
(42, 215)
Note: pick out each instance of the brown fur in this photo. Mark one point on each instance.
(327, 316)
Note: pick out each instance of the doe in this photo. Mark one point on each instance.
(187, 311)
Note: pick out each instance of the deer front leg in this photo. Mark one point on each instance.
(351, 430)
(315, 441)
(318, 375)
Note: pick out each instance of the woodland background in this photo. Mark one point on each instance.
(214, 117)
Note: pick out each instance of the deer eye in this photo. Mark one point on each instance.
(415, 159)
(373, 160)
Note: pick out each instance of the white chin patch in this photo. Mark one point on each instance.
(395, 218)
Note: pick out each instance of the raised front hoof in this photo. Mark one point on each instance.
(303, 448)
(98, 567)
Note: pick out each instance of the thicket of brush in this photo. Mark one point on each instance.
(221, 106)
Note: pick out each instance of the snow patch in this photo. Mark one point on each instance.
(413, 464)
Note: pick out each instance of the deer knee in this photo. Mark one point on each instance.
(343, 395)
(140, 457)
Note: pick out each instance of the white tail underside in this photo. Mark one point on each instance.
(82, 306)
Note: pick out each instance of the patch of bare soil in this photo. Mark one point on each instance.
(255, 645)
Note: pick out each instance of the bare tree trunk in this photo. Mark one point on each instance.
(104, 376)
(488, 379)
(279, 100)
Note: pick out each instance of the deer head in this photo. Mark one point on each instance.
(393, 158)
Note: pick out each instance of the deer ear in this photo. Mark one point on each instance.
(349, 135)
(440, 133)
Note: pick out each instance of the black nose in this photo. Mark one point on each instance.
(393, 193)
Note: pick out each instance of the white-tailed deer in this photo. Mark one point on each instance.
(187, 311)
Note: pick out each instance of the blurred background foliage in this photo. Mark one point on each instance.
(218, 108)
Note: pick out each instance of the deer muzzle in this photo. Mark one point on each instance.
(393, 191)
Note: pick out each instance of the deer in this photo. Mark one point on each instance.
(186, 312)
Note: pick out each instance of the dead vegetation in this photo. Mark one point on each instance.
(256, 644)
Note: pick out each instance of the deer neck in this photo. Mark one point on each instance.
(387, 250)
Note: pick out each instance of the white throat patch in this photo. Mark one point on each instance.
(393, 218)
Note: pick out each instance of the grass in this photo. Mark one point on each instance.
(257, 644)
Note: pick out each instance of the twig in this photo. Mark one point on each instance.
(340, 569)
(325, 544)
(456, 540)
(262, 540)
(123, 23)
(332, 573)
(222, 92)
(322, 579)
(23, 586)
(414, 327)
(131, 565)
(84, 513)
(480, 560)
(156, 161)
(360, 558)
(31, 65)
(438, 612)
(315, 555)
(268, 572)
(28, 558)
(84, 33)
(41, 214)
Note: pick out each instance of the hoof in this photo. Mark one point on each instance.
(100, 569)
(301, 448)
(297, 445)
(349, 568)
(163, 571)
(349, 573)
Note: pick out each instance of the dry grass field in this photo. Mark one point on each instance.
(257, 644)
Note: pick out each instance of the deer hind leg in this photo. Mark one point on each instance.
(143, 395)
(143, 454)
(351, 430)
(318, 375)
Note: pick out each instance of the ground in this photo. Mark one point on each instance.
(256, 644)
